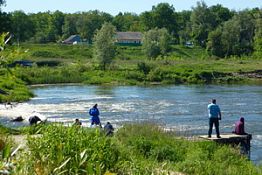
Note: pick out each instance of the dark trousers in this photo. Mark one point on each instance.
(211, 122)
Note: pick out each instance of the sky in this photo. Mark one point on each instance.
(113, 7)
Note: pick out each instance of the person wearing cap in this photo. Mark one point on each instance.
(214, 115)
(240, 127)
(94, 113)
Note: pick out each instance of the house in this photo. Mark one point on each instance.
(73, 39)
(129, 38)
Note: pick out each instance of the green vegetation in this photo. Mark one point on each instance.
(130, 66)
(104, 45)
(182, 65)
(11, 87)
(219, 30)
(134, 149)
(156, 42)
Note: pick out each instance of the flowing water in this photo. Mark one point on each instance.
(182, 108)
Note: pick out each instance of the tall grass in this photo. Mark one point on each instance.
(134, 149)
(69, 150)
(14, 88)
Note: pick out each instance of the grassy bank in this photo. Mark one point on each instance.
(56, 63)
(182, 66)
(134, 149)
(13, 88)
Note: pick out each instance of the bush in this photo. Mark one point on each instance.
(69, 150)
(45, 54)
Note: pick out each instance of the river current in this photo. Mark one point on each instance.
(182, 108)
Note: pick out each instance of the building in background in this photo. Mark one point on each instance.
(73, 39)
(129, 38)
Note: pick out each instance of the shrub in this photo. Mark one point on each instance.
(69, 150)
(45, 54)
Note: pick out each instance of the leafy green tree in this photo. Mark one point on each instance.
(47, 26)
(164, 41)
(221, 14)
(156, 42)
(238, 33)
(58, 20)
(258, 33)
(185, 27)
(69, 27)
(161, 16)
(88, 22)
(202, 23)
(127, 22)
(104, 45)
(4, 19)
(214, 44)
(230, 37)
(5, 22)
(22, 26)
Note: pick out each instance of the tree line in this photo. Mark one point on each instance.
(221, 31)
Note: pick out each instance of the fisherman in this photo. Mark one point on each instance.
(214, 114)
(94, 113)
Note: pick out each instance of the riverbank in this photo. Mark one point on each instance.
(135, 148)
(56, 64)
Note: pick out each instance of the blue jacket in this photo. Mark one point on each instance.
(94, 112)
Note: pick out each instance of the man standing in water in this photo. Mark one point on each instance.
(214, 114)
(94, 113)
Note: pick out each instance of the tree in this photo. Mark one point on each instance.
(69, 27)
(185, 28)
(258, 33)
(214, 44)
(127, 22)
(22, 26)
(221, 14)
(202, 23)
(5, 22)
(87, 23)
(4, 19)
(58, 20)
(156, 42)
(238, 33)
(47, 26)
(104, 45)
(161, 16)
(230, 37)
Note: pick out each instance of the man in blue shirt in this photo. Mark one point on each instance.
(214, 114)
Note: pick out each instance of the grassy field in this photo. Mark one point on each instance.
(74, 63)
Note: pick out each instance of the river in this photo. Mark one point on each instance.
(182, 108)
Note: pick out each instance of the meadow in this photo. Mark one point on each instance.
(56, 63)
